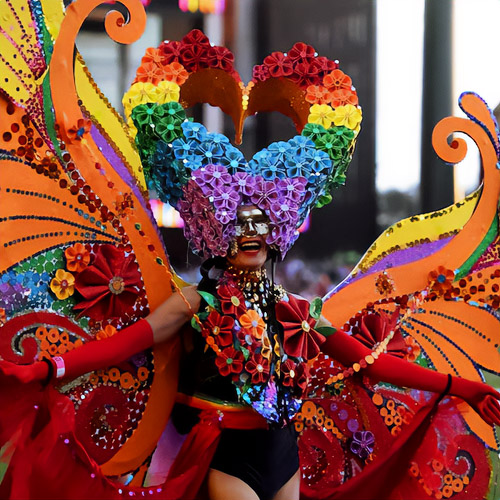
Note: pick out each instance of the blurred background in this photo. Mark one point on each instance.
(409, 62)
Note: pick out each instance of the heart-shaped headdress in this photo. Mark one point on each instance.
(203, 175)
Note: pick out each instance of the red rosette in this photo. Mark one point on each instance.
(229, 361)
(374, 328)
(231, 299)
(258, 367)
(109, 286)
(220, 328)
(278, 65)
(220, 57)
(301, 340)
(171, 51)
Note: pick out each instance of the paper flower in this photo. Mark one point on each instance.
(278, 65)
(175, 72)
(229, 361)
(109, 286)
(77, 258)
(316, 94)
(63, 284)
(441, 280)
(220, 328)
(258, 367)
(231, 299)
(301, 340)
(337, 79)
(350, 116)
(167, 91)
(322, 114)
(252, 322)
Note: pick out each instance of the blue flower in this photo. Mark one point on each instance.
(194, 130)
(209, 151)
(279, 150)
(233, 159)
(301, 144)
(184, 148)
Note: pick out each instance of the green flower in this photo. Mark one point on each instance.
(314, 131)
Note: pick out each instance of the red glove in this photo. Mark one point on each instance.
(481, 397)
(89, 357)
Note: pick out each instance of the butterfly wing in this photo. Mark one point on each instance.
(73, 199)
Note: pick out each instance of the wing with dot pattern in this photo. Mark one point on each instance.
(73, 203)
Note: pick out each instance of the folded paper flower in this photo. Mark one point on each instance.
(109, 286)
(301, 339)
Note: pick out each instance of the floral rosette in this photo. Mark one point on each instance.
(236, 330)
(204, 176)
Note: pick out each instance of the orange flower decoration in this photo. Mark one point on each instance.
(441, 280)
(341, 97)
(153, 56)
(3, 316)
(150, 72)
(63, 285)
(253, 323)
(77, 258)
(316, 94)
(412, 349)
(106, 332)
(337, 79)
(82, 127)
(175, 72)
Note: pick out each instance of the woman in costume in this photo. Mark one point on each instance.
(256, 345)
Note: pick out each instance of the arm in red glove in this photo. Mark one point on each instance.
(481, 397)
(161, 325)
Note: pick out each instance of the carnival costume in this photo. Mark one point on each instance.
(82, 262)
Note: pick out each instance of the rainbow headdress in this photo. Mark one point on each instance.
(203, 175)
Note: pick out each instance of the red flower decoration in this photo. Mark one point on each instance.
(301, 52)
(326, 64)
(220, 57)
(301, 340)
(194, 50)
(258, 367)
(109, 286)
(305, 74)
(295, 375)
(441, 280)
(229, 360)
(278, 64)
(260, 73)
(220, 328)
(375, 327)
(171, 51)
(232, 300)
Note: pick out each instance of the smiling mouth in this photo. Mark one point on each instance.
(250, 246)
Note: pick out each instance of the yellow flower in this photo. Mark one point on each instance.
(139, 93)
(63, 285)
(350, 116)
(321, 114)
(167, 92)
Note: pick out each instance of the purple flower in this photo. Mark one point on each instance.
(245, 183)
(211, 176)
(292, 189)
(284, 211)
(362, 443)
(226, 196)
(265, 193)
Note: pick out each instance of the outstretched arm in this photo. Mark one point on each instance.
(161, 325)
(481, 397)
